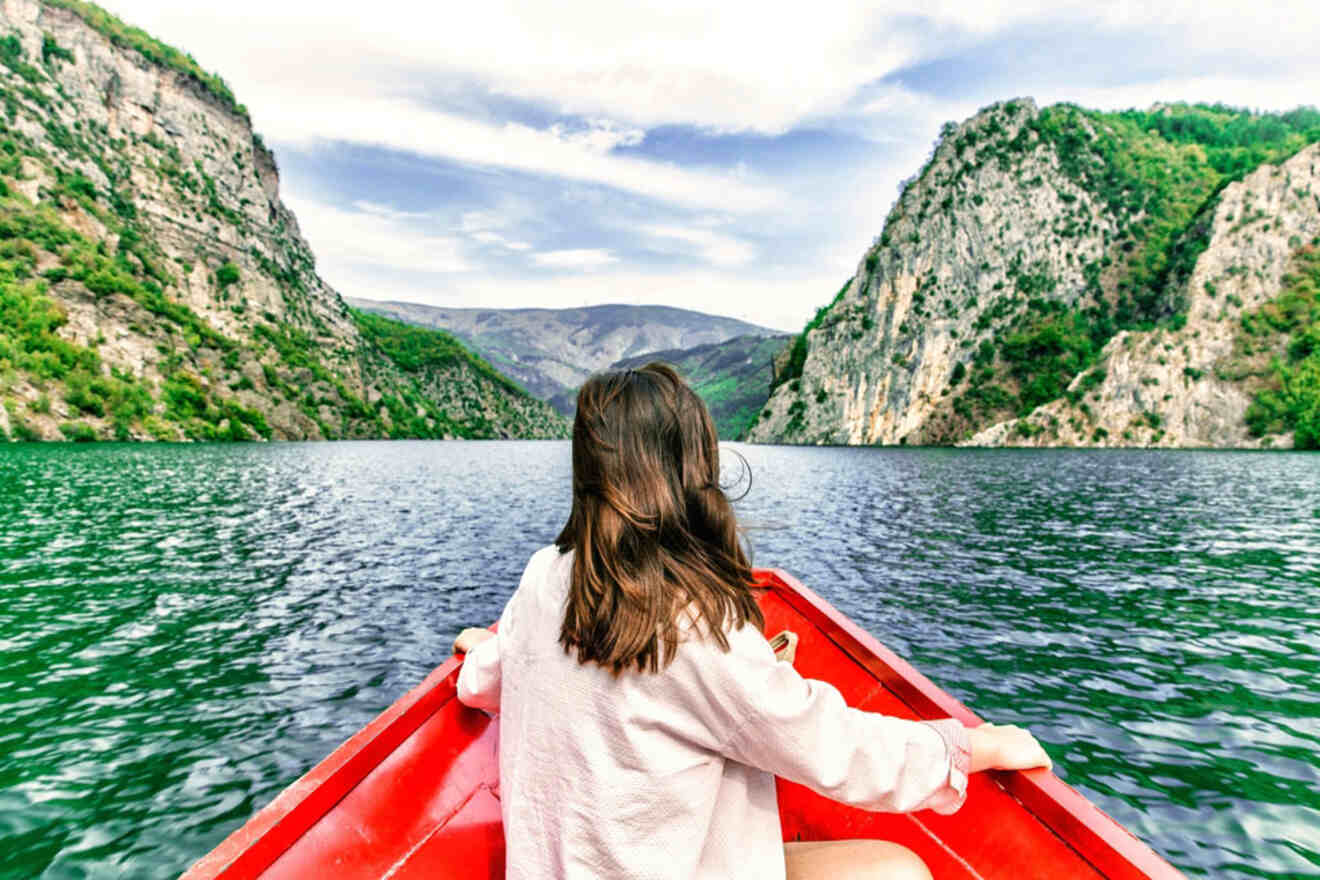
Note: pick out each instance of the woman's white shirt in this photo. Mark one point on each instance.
(653, 776)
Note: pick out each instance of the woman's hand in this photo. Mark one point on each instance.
(470, 638)
(1005, 747)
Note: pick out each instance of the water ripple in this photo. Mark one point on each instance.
(184, 630)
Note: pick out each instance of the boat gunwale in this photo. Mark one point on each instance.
(271, 831)
(1111, 848)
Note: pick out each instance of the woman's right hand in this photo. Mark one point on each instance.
(470, 638)
(1005, 747)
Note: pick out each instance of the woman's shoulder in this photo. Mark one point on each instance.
(545, 555)
(545, 559)
(546, 571)
(538, 592)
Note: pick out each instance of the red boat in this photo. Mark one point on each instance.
(415, 794)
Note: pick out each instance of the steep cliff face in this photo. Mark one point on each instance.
(1193, 385)
(155, 286)
(1044, 262)
(965, 244)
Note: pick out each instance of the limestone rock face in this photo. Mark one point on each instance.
(998, 228)
(1178, 387)
(961, 239)
(158, 156)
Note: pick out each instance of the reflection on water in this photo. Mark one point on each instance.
(184, 630)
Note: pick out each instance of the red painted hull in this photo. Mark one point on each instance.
(415, 793)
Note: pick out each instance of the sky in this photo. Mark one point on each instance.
(735, 158)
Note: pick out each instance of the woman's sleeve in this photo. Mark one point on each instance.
(479, 677)
(801, 729)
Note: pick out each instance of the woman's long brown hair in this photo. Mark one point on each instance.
(653, 534)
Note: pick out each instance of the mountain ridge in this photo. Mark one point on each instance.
(153, 286)
(552, 351)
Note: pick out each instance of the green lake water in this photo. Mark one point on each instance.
(186, 629)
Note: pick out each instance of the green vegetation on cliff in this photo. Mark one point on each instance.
(416, 348)
(1156, 170)
(152, 286)
(1290, 398)
(422, 353)
(797, 355)
(30, 321)
(1153, 179)
(128, 37)
(1046, 347)
(732, 377)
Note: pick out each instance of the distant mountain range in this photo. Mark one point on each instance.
(550, 352)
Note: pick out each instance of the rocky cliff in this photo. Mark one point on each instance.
(1066, 277)
(152, 283)
(1193, 383)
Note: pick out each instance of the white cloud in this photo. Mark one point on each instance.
(601, 136)
(711, 246)
(376, 236)
(733, 65)
(497, 239)
(477, 221)
(586, 259)
(388, 212)
(405, 124)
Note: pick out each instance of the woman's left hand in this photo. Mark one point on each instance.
(470, 638)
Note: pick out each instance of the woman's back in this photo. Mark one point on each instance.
(670, 774)
(612, 776)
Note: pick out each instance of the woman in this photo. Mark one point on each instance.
(643, 715)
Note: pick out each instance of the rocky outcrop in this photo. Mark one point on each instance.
(143, 214)
(1058, 277)
(967, 241)
(1182, 387)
